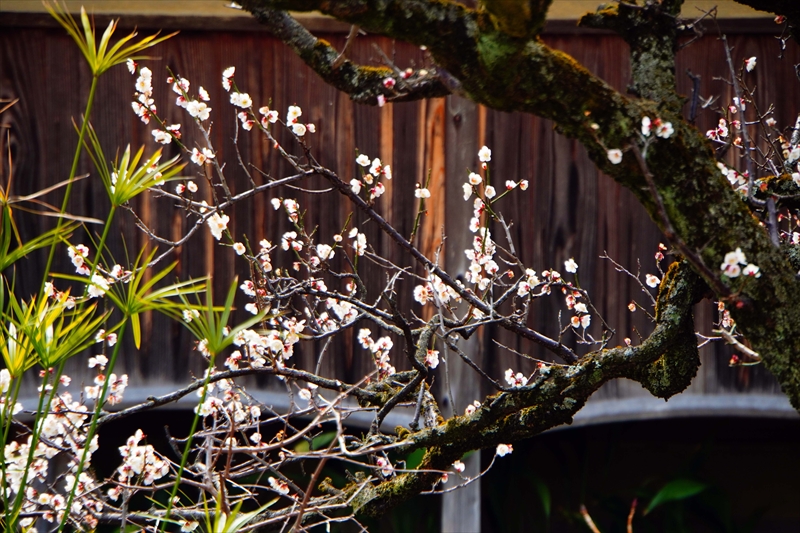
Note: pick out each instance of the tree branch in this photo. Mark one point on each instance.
(363, 84)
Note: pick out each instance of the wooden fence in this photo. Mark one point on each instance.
(570, 209)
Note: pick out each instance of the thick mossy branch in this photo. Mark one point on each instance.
(652, 33)
(363, 84)
(518, 18)
(664, 364)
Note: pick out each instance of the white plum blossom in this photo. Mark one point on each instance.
(355, 186)
(516, 380)
(485, 154)
(474, 179)
(734, 261)
(615, 156)
(504, 449)
(651, 280)
(471, 408)
(239, 248)
(247, 122)
(646, 126)
(363, 160)
(751, 270)
(422, 193)
(242, 100)
(360, 244)
(201, 156)
(227, 75)
(664, 130)
(198, 110)
(489, 191)
(581, 321)
(98, 287)
(5, 380)
(299, 129)
(375, 167)
(293, 113)
(467, 191)
(750, 64)
(217, 224)
(325, 251)
(432, 358)
(162, 136)
(571, 266)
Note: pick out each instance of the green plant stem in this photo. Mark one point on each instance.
(102, 243)
(188, 446)
(73, 171)
(93, 427)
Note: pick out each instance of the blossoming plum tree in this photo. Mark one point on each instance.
(234, 470)
(492, 54)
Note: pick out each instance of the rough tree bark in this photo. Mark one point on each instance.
(494, 56)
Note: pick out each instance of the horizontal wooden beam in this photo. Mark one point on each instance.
(560, 9)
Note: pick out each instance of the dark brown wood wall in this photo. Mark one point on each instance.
(570, 210)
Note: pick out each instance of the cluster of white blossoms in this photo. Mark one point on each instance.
(732, 265)
(344, 311)
(474, 180)
(791, 157)
(116, 385)
(380, 351)
(721, 131)
(528, 283)
(78, 255)
(199, 157)
(432, 358)
(436, 290)
(483, 267)
(359, 241)
(291, 206)
(268, 116)
(471, 408)
(290, 240)
(143, 105)
(223, 399)
(63, 432)
(141, 462)
(478, 207)
(738, 181)
(571, 296)
(99, 283)
(217, 224)
(256, 348)
(372, 177)
(516, 380)
(663, 130)
(277, 344)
